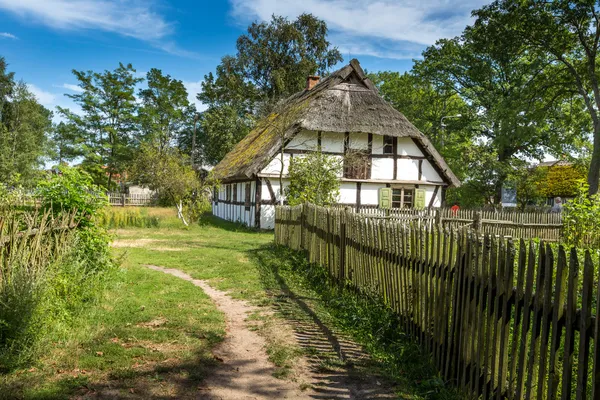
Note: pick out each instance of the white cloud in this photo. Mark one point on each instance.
(45, 98)
(127, 17)
(132, 18)
(419, 22)
(193, 88)
(71, 87)
(7, 35)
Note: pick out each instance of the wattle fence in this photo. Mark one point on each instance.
(500, 318)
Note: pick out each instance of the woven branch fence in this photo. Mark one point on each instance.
(501, 319)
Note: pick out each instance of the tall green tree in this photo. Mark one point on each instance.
(165, 110)
(108, 120)
(272, 62)
(498, 80)
(24, 128)
(564, 37)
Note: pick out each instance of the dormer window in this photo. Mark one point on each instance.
(388, 145)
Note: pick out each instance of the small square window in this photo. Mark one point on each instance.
(402, 198)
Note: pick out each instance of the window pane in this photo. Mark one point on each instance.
(388, 145)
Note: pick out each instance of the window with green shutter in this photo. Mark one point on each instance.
(385, 198)
(419, 198)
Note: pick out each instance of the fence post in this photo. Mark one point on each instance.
(438, 218)
(477, 222)
(343, 221)
(302, 225)
(123, 199)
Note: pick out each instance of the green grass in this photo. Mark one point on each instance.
(148, 325)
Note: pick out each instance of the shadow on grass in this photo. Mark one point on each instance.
(293, 283)
(216, 222)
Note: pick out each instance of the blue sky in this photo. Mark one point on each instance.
(43, 40)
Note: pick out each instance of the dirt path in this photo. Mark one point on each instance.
(245, 372)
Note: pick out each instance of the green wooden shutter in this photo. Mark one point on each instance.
(419, 198)
(385, 198)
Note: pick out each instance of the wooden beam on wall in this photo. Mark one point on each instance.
(358, 188)
(271, 191)
(257, 198)
(395, 151)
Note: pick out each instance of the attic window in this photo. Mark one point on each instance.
(388, 145)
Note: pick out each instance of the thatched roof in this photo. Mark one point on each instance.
(345, 101)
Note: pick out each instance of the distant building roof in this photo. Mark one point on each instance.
(554, 163)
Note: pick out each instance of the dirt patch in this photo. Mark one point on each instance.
(244, 371)
(155, 323)
(135, 242)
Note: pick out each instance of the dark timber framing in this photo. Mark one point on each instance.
(358, 188)
(395, 151)
(271, 191)
(435, 192)
(257, 198)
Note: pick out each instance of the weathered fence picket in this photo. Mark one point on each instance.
(501, 318)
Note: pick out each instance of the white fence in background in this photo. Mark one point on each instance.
(124, 199)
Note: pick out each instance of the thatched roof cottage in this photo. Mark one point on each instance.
(341, 113)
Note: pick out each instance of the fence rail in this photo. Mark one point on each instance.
(546, 226)
(501, 319)
(124, 199)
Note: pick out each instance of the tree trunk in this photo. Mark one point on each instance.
(594, 171)
(180, 213)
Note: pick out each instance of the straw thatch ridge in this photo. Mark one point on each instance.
(345, 101)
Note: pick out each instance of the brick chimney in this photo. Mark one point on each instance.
(312, 81)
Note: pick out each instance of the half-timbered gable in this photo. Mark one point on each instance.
(342, 116)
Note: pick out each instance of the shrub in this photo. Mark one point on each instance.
(72, 189)
(581, 219)
(314, 179)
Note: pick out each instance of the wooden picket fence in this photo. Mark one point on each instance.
(518, 225)
(124, 199)
(500, 318)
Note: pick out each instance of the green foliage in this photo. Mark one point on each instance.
(170, 174)
(24, 127)
(491, 70)
(560, 40)
(108, 120)
(221, 128)
(581, 219)
(562, 180)
(530, 183)
(314, 178)
(47, 276)
(165, 110)
(67, 143)
(72, 189)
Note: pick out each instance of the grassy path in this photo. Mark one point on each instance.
(154, 336)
